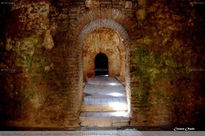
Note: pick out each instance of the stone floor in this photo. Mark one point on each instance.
(102, 133)
(105, 100)
(104, 90)
(74, 133)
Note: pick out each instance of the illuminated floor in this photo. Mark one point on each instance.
(104, 99)
(74, 133)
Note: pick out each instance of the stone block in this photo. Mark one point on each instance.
(128, 4)
(141, 14)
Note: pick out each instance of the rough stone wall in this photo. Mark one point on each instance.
(44, 80)
(166, 73)
(41, 63)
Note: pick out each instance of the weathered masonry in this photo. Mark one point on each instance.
(49, 48)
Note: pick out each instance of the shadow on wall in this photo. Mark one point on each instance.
(11, 102)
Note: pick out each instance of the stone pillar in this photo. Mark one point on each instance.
(122, 67)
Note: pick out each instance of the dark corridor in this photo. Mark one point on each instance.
(101, 64)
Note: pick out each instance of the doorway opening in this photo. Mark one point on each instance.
(101, 65)
(105, 99)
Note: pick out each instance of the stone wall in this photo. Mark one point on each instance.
(41, 63)
(166, 91)
(46, 68)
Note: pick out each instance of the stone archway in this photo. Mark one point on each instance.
(124, 39)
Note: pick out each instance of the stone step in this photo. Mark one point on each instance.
(105, 114)
(104, 122)
(102, 108)
(103, 89)
(89, 100)
(106, 93)
(104, 119)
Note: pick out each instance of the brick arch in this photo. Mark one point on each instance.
(105, 16)
(109, 18)
(107, 23)
(110, 24)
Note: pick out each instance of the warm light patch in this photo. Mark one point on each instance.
(118, 106)
(113, 84)
(115, 94)
(120, 114)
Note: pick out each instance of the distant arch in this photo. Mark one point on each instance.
(101, 64)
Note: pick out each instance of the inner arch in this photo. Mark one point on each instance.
(107, 23)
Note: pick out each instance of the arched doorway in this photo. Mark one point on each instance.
(103, 96)
(101, 64)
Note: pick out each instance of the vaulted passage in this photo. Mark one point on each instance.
(101, 65)
(105, 102)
